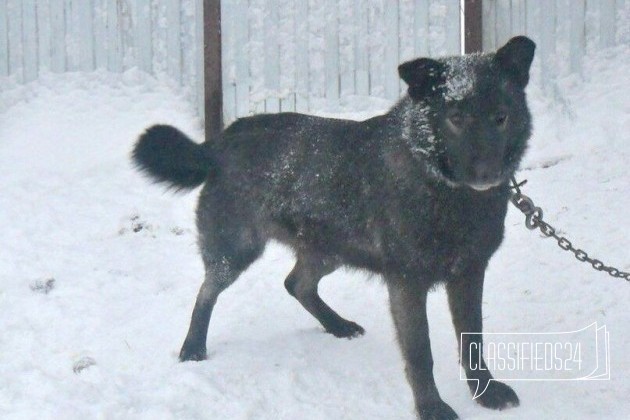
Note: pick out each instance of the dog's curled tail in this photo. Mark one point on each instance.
(168, 155)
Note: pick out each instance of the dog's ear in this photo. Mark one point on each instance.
(422, 75)
(516, 57)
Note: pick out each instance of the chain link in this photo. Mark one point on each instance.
(534, 220)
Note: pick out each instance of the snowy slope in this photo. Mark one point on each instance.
(123, 256)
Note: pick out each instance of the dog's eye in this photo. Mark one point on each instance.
(501, 119)
(459, 119)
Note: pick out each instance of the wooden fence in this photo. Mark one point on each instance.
(564, 30)
(160, 37)
(288, 55)
(284, 55)
(277, 54)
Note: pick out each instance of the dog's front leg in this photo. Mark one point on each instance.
(464, 298)
(408, 305)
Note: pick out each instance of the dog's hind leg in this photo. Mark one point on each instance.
(302, 284)
(226, 255)
(217, 279)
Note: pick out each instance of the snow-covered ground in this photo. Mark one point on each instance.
(103, 342)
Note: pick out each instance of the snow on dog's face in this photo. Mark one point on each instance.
(467, 116)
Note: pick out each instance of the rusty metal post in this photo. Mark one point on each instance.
(213, 91)
(473, 21)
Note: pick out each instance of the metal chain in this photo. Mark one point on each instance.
(534, 219)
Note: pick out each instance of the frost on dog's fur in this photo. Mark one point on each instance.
(461, 75)
(419, 134)
(457, 81)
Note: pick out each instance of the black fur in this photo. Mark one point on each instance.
(418, 195)
(169, 156)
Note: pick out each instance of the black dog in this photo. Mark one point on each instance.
(418, 195)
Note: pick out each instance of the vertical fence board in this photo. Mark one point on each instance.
(174, 48)
(29, 40)
(300, 30)
(72, 34)
(272, 62)
(622, 24)
(547, 43)
(332, 54)
(361, 78)
(114, 38)
(16, 52)
(100, 34)
(376, 48)
(199, 53)
(4, 39)
(607, 10)
(43, 35)
(241, 31)
(316, 51)
(562, 36)
(256, 60)
(141, 17)
(518, 17)
(188, 41)
(452, 28)
(86, 34)
(392, 50)
(503, 22)
(286, 51)
(158, 37)
(489, 25)
(58, 36)
(577, 35)
(532, 18)
(229, 57)
(346, 48)
(421, 28)
(592, 26)
(406, 49)
(128, 41)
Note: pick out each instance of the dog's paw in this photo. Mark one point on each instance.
(347, 329)
(498, 396)
(192, 353)
(436, 410)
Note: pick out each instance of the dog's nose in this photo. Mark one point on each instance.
(485, 177)
(484, 173)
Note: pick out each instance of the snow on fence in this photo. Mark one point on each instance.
(564, 30)
(160, 37)
(299, 55)
(277, 54)
(284, 55)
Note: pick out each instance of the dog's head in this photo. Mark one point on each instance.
(467, 116)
